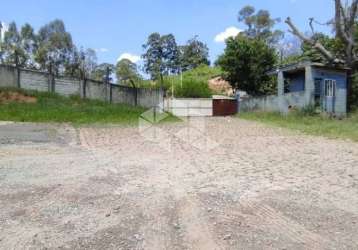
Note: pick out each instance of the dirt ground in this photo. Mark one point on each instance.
(217, 183)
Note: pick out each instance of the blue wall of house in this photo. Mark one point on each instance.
(339, 103)
(297, 82)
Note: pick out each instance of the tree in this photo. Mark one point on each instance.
(344, 24)
(55, 46)
(100, 72)
(72, 65)
(81, 63)
(246, 62)
(29, 44)
(193, 54)
(333, 44)
(260, 24)
(161, 56)
(12, 50)
(345, 27)
(89, 59)
(126, 72)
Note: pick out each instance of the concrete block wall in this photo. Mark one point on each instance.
(185, 107)
(67, 86)
(150, 97)
(95, 90)
(266, 103)
(8, 76)
(33, 80)
(123, 95)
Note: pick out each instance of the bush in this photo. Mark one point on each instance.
(192, 88)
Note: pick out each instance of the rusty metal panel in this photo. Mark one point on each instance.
(224, 107)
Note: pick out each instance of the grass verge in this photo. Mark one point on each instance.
(309, 124)
(54, 108)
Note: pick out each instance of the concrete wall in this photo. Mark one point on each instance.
(124, 95)
(274, 103)
(33, 80)
(7, 76)
(150, 97)
(95, 90)
(265, 103)
(189, 107)
(67, 86)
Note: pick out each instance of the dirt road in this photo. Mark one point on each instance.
(217, 183)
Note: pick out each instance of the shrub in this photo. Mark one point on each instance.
(192, 88)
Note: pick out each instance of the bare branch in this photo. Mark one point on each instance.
(340, 22)
(311, 24)
(315, 44)
(353, 14)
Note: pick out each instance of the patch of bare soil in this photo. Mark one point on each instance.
(220, 86)
(12, 96)
(215, 183)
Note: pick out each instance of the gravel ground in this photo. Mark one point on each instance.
(214, 183)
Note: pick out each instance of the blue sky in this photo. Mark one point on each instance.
(114, 27)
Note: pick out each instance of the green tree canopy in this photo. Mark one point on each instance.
(193, 54)
(126, 72)
(260, 24)
(55, 46)
(161, 56)
(100, 72)
(335, 45)
(13, 52)
(246, 62)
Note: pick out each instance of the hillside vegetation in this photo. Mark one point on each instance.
(192, 84)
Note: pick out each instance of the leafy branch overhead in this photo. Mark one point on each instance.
(345, 27)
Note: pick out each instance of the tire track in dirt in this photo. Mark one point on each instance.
(278, 222)
(198, 233)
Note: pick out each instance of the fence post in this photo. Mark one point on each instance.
(110, 93)
(84, 83)
(49, 78)
(18, 70)
(107, 85)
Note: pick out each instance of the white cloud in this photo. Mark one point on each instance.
(229, 32)
(102, 50)
(130, 57)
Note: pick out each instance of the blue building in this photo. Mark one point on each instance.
(305, 84)
(308, 83)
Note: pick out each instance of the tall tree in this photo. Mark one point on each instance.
(161, 56)
(81, 63)
(193, 54)
(13, 52)
(55, 46)
(345, 27)
(89, 59)
(29, 44)
(246, 62)
(260, 24)
(100, 72)
(127, 72)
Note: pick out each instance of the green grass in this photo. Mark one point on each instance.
(309, 124)
(55, 108)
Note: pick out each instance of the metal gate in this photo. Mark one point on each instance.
(224, 107)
